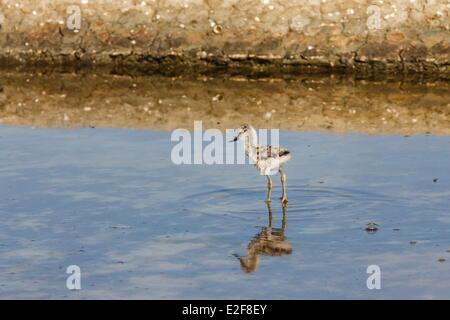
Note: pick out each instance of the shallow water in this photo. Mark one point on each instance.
(319, 104)
(112, 202)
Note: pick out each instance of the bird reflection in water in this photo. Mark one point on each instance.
(269, 241)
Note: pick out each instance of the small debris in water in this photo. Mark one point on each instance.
(448, 250)
(396, 229)
(441, 260)
(435, 180)
(413, 242)
(120, 226)
(372, 227)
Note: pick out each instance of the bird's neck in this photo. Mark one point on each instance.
(251, 142)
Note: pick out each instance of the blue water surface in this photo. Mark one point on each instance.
(112, 202)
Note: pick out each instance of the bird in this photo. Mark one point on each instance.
(267, 159)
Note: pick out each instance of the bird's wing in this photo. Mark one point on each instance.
(266, 152)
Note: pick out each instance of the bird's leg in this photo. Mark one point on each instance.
(269, 188)
(283, 223)
(269, 209)
(283, 184)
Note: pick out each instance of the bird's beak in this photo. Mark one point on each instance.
(234, 140)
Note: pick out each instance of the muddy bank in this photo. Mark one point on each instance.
(243, 37)
(339, 104)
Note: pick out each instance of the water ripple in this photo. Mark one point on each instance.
(246, 203)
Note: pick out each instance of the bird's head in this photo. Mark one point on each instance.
(242, 132)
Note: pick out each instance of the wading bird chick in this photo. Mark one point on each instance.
(267, 159)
